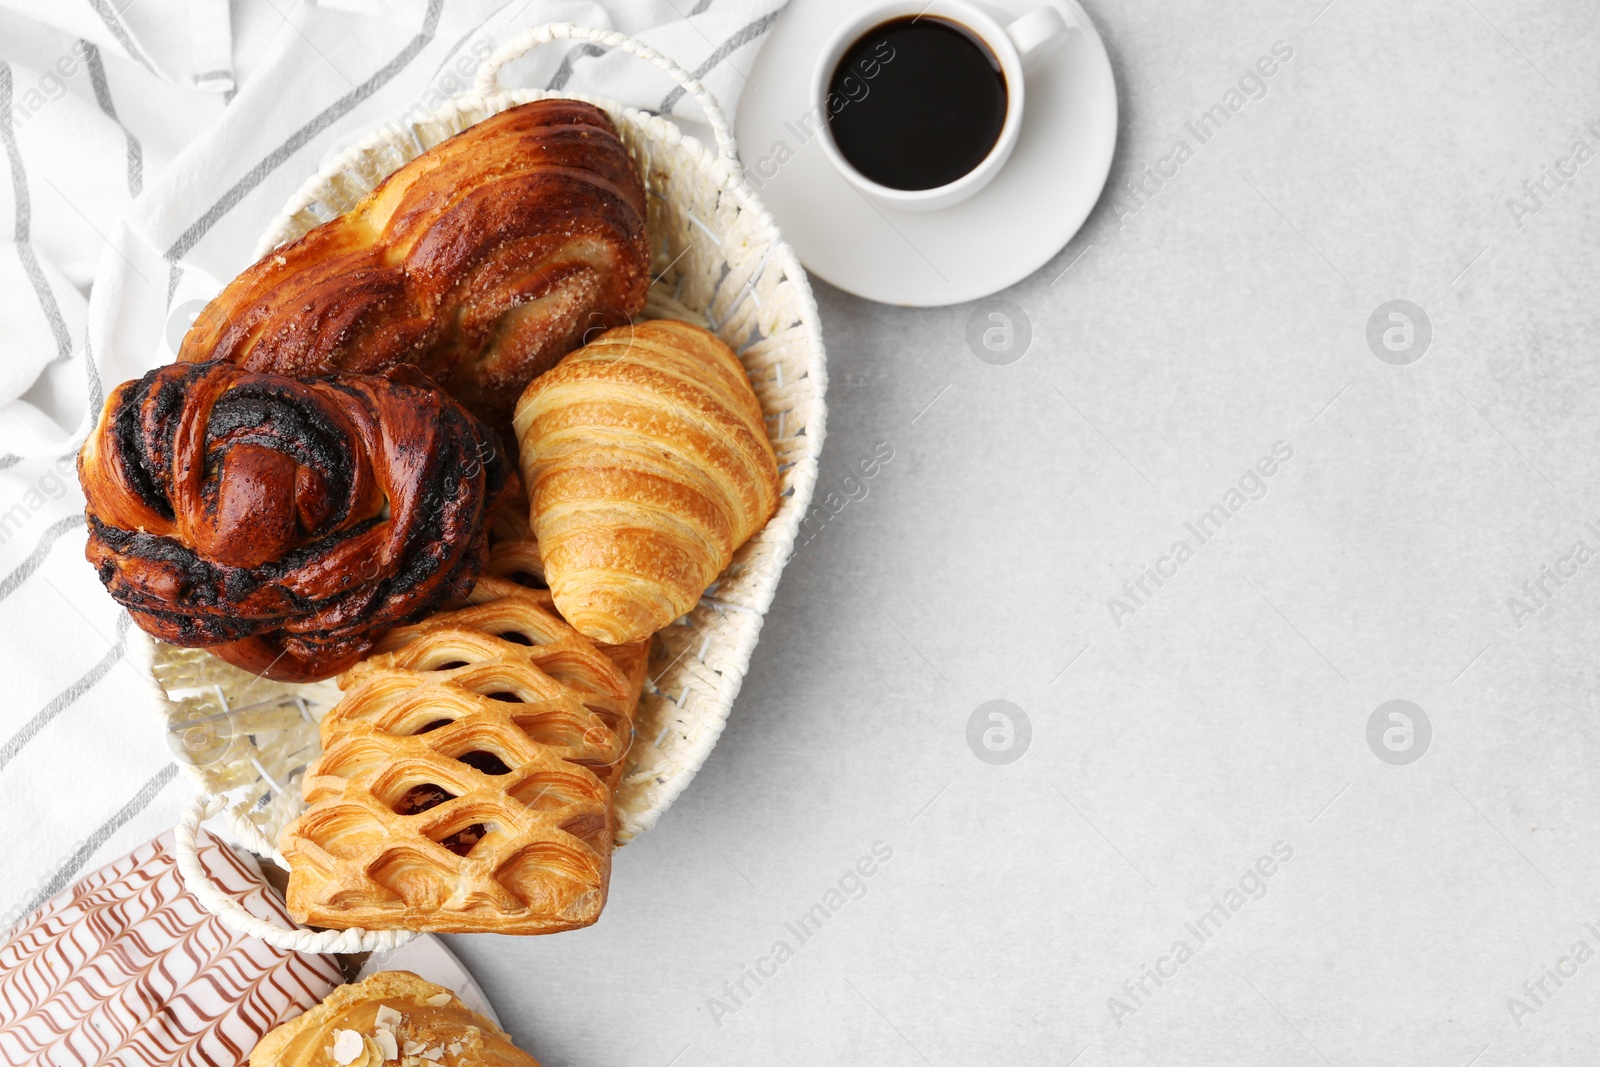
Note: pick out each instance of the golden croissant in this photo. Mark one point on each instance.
(647, 465)
(482, 261)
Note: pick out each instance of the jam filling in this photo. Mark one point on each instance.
(465, 840)
(487, 762)
(420, 798)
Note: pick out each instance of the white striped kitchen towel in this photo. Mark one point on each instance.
(147, 146)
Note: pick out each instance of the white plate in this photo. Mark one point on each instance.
(428, 959)
(999, 236)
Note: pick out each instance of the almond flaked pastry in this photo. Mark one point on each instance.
(391, 1017)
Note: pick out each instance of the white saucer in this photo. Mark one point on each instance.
(997, 237)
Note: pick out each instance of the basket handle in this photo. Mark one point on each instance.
(233, 915)
(526, 41)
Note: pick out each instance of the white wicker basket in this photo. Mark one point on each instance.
(718, 260)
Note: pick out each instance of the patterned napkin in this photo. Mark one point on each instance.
(127, 968)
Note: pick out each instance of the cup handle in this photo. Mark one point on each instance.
(1037, 33)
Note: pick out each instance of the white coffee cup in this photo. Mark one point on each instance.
(1016, 46)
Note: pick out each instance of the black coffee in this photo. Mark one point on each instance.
(916, 103)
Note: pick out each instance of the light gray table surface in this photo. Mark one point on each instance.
(1174, 746)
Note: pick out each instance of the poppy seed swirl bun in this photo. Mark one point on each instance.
(286, 525)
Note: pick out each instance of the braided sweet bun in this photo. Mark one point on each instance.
(483, 261)
(286, 525)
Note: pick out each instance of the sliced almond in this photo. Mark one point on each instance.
(347, 1046)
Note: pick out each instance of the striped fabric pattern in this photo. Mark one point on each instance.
(126, 969)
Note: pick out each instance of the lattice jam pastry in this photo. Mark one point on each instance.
(467, 774)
